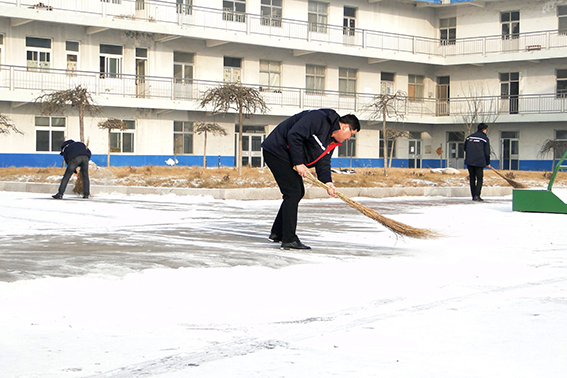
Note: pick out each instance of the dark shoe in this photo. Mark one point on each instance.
(86, 196)
(295, 245)
(57, 196)
(478, 199)
(274, 238)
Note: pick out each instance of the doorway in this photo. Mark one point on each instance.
(509, 92)
(141, 65)
(414, 150)
(455, 150)
(442, 96)
(510, 151)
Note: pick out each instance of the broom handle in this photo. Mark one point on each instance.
(498, 173)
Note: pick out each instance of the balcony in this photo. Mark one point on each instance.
(23, 84)
(370, 42)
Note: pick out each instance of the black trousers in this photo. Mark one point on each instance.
(292, 189)
(475, 178)
(81, 161)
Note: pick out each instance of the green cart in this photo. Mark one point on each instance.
(540, 200)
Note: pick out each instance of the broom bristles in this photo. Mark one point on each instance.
(398, 228)
(515, 184)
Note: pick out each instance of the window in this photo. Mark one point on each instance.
(1, 45)
(49, 133)
(510, 90)
(561, 83)
(347, 81)
(348, 147)
(111, 1)
(182, 137)
(234, 10)
(317, 16)
(448, 31)
(123, 140)
(271, 11)
(183, 67)
(349, 21)
(232, 70)
(562, 19)
(560, 136)
(184, 6)
(38, 53)
(270, 75)
(415, 87)
(510, 24)
(72, 49)
(389, 145)
(315, 79)
(110, 61)
(387, 83)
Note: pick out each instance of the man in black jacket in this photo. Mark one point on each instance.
(304, 140)
(477, 149)
(76, 154)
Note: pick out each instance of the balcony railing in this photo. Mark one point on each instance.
(156, 11)
(23, 79)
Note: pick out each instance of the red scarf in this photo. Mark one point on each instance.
(330, 148)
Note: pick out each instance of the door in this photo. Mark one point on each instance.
(251, 150)
(414, 153)
(510, 151)
(349, 24)
(141, 65)
(456, 155)
(509, 92)
(442, 96)
(510, 22)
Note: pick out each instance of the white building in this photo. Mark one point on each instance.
(148, 61)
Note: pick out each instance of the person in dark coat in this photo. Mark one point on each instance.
(76, 155)
(304, 140)
(477, 149)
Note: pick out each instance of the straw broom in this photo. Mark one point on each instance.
(397, 228)
(513, 183)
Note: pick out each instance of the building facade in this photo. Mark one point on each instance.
(147, 62)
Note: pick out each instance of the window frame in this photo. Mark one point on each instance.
(184, 130)
(317, 76)
(270, 77)
(417, 83)
(561, 78)
(105, 60)
(347, 81)
(184, 7)
(318, 16)
(510, 24)
(38, 52)
(236, 12)
(55, 133)
(448, 31)
(271, 12)
(117, 138)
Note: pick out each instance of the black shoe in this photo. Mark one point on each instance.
(57, 196)
(86, 196)
(295, 245)
(478, 199)
(274, 238)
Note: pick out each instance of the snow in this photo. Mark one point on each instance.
(172, 286)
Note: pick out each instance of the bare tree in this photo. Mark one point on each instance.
(556, 147)
(477, 108)
(111, 124)
(384, 106)
(6, 125)
(395, 135)
(77, 97)
(244, 100)
(206, 128)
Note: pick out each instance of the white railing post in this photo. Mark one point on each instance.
(11, 78)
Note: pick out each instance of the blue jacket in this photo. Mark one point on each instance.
(304, 139)
(71, 149)
(477, 148)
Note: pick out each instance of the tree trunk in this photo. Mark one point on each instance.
(385, 141)
(108, 155)
(82, 124)
(391, 153)
(239, 161)
(205, 152)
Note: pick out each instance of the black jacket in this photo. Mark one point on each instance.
(477, 148)
(304, 138)
(71, 149)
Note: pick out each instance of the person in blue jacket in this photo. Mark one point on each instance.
(477, 149)
(304, 140)
(76, 154)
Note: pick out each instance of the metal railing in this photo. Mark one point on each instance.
(18, 78)
(208, 18)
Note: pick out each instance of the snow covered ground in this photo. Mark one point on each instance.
(171, 286)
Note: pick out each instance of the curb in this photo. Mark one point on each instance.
(258, 193)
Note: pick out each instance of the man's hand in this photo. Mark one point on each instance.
(332, 190)
(302, 170)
